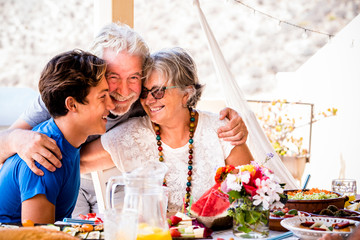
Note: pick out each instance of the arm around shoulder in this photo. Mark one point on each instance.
(31, 146)
(93, 157)
(9, 138)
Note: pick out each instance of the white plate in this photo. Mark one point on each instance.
(293, 224)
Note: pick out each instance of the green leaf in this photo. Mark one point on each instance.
(279, 213)
(252, 217)
(293, 211)
(244, 229)
(233, 195)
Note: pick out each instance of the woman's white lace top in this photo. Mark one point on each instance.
(134, 142)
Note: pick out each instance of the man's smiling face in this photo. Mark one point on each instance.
(123, 74)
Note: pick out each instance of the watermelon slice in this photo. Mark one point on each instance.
(211, 209)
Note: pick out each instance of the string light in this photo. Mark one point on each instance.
(306, 30)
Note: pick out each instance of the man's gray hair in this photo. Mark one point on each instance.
(120, 37)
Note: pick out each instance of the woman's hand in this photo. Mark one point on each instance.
(235, 131)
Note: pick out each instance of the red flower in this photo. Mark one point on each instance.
(222, 172)
(250, 189)
(251, 186)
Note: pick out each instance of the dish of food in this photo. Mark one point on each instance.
(316, 227)
(314, 205)
(53, 231)
(278, 215)
(333, 211)
(182, 226)
(354, 205)
(311, 194)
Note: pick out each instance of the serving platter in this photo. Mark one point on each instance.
(293, 225)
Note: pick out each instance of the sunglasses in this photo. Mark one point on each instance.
(156, 92)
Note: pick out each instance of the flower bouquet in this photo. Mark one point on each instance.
(253, 190)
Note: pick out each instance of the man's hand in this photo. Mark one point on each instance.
(235, 131)
(33, 146)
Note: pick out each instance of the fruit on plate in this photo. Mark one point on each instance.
(28, 223)
(188, 232)
(174, 232)
(174, 220)
(87, 227)
(182, 225)
(92, 217)
(211, 209)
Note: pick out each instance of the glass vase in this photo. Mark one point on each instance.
(250, 221)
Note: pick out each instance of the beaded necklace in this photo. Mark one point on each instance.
(191, 151)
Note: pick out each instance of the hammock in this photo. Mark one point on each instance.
(257, 141)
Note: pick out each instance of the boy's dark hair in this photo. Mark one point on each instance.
(69, 74)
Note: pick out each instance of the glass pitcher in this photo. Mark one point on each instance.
(144, 194)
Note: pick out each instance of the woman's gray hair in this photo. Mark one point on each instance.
(120, 37)
(179, 69)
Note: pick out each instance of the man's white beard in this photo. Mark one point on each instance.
(121, 109)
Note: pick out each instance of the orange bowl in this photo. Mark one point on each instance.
(315, 206)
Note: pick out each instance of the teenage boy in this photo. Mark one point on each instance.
(75, 92)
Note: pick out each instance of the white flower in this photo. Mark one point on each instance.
(263, 186)
(261, 199)
(245, 177)
(232, 182)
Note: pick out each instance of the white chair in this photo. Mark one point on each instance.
(13, 101)
(100, 179)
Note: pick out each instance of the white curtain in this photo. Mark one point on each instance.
(257, 140)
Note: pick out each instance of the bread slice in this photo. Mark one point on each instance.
(33, 233)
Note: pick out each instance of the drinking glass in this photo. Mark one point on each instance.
(344, 186)
(165, 198)
(120, 225)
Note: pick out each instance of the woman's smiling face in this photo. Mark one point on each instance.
(164, 110)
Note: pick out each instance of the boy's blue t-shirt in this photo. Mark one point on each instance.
(18, 183)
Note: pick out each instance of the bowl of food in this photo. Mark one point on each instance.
(333, 211)
(278, 215)
(313, 200)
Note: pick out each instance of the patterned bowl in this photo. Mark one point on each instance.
(293, 225)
